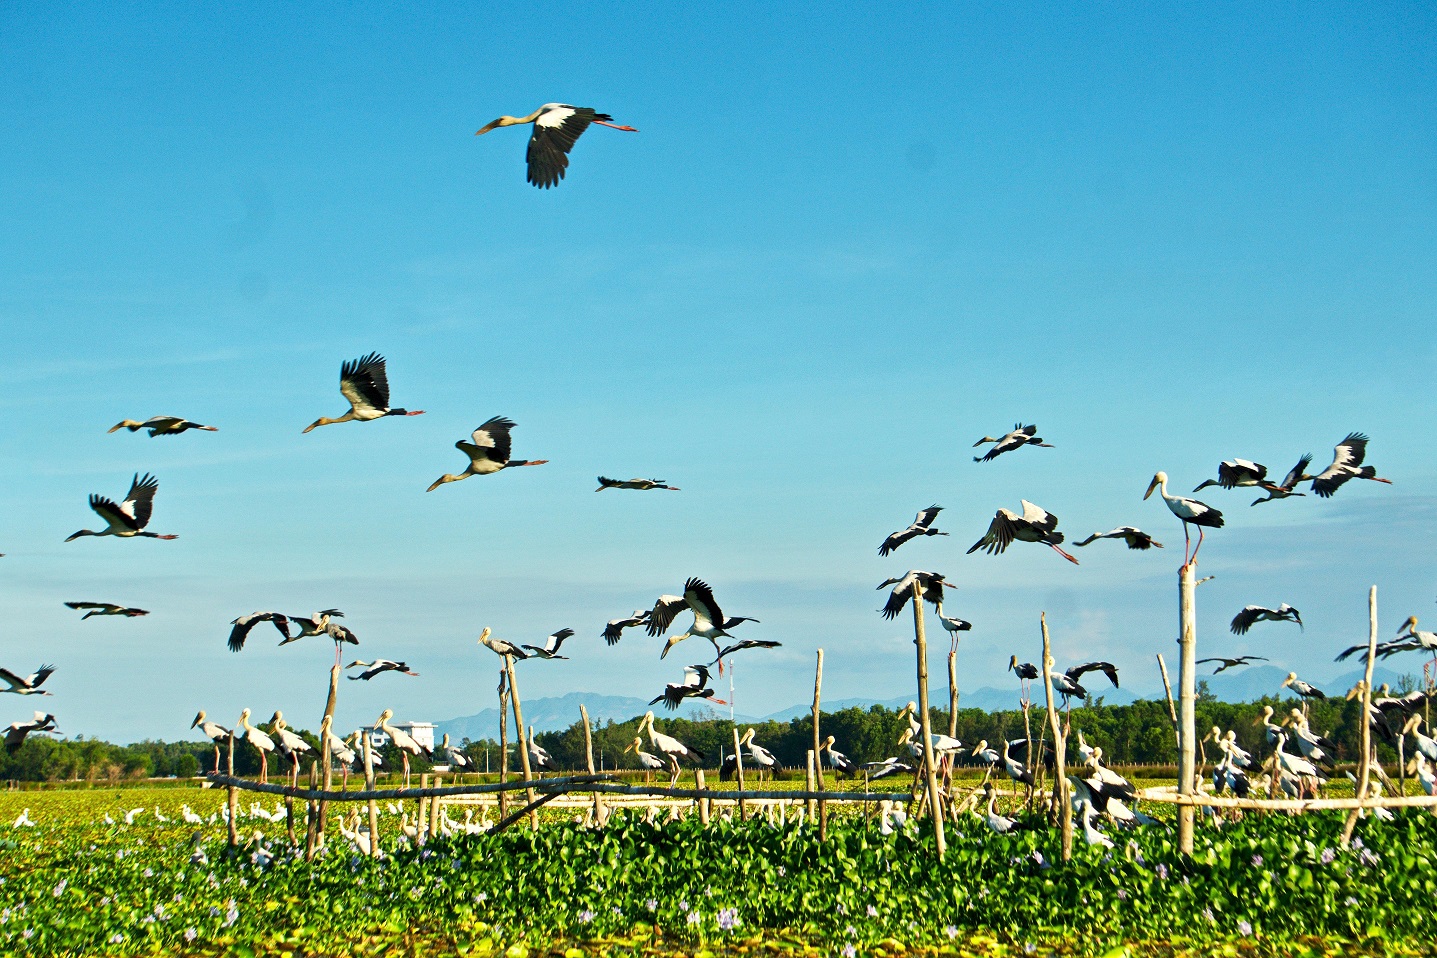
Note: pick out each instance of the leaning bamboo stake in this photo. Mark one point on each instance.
(503, 741)
(1187, 699)
(311, 821)
(233, 798)
(523, 742)
(935, 806)
(818, 748)
(420, 815)
(1172, 709)
(738, 770)
(701, 801)
(1060, 744)
(325, 758)
(808, 780)
(589, 758)
(434, 810)
(1364, 766)
(368, 747)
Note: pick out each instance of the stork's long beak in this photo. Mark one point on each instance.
(487, 127)
(1151, 486)
(673, 641)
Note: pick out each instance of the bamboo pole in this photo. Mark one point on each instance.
(738, 770)
(589, 758)
(1364, 766)
(935, 806)
(367, 740)
(325, 758)
(1172, 709)
(503, 741)
(1060, 743)
(809, 781)
(817, 747)
(953, 688)
(433, 825)
(311, 820)
(1187, 699)
(233, 798)
(523, 741)
(702, 790)
(421, 818)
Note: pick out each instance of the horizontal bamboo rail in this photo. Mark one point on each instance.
(1292, 804)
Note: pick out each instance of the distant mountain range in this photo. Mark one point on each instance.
(557, 714)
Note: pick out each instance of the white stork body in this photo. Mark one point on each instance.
(27, 684)
(1034, 525)
(453, 754)
(1190, 511)
(17, 731)
(128, 519)
(709, 621)
(501, 647)
(1347, 458)
(1304, 689)
(290, 745)
(557, 127)
(1020, 436)
(539, 759)
(1233, 473)
(260, 741)
(402, 741)
(489, 452)
(671, 747)
(932, 583)
(1253, 614)
(365, 383)
(215, 732)
(694, 686)
(550, 648)
(922, 525)
(836, 759)
(647, 760)
(761, 757)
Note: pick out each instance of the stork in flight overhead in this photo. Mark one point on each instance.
(932, 583)
(1232, 473)
(641, 484)
(245, 623)
(1034, 525)
(1253, 614)
(129, 518)
(1190, 511)
(27, 684)
(615, 628)
(1020, 436)
(378, 667)
(1226, 663)
(365, 383)
(161, 426)
(1347, 458)
(319, 624)
(741, 645)
(488, 453)
(557, 127)
(709, 621)
(1133, 536)
(922, 526)
(105, 608)
(1288, 486)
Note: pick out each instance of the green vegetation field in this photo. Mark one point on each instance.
(1276, 885)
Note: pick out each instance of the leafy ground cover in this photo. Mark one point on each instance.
(1272, 885)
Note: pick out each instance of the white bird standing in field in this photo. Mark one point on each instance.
(339, 749)
(365, 383)
(1302, 688)
(128, 519)
(260, 741)
(837, 759)
(1190, 511)
(539, 759)
(402, 740)
(290, 745)
(161, 426)
(648, 761)
(557, 127)
(213, 731)
(489, 452)
(453, 754)
(671, 747)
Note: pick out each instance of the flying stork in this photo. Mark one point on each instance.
(489, 452)
(671, 747)
(213, 731)
(922, 526)
(932, 583)
(1133, 536)
(1190, 511)
(1066, 683)
(365, 384)
(1347, 458)
(615, 628)
(709, 621)
(260, 741)
(27, 684)
(1409, 639)
(1020, 436)
(1232, 473)
(319, 624)
(15, 734)
(557, 127)
(377, 667)
(641, 484)
(1288, 486)
(1252, 614)
(1233, 663)
(402, 741)
(550, 648)
(105, 608)
(694, 686)
(1034, 525)
(743, 644)
(128, 519)
(161, 426)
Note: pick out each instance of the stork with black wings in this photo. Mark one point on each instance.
(1132, 535)
(1347, 458)
(743, 644)
(709, 620)
(489, 452)
(1232, 473)
(245, 623)
(550, 648)
(27, 684)
(161, 426)
(1226, 663)
(1288, 486)
(614, 630)
(932, 583)
(557, 127)
(105, 608)
(378, 667)
(1020, 436)
(1068, 685)
(922, 526)
(694, 686)
(129, 518)
(16, 733)
(1253, 614)
(1034, 525)
(365, 383)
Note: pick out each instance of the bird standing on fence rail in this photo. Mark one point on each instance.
(105, 608)
(365, 383)
(260, 741)
(557, 127)
(1132, 535)
(922, 526)
(1288, 486)
(1347, 458)
(1190, 511)
(1020, 436)
(213, 731)
(489, 451)
(129, 518)
(161, 426)
(1034, 525)
(1253, 614)
(932, 583)
(709, 621)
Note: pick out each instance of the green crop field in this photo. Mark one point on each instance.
(77, 884)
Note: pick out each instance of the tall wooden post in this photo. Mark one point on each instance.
(1364, 765)
(1187, 701)
(1060, 744)
(935, 807)
(311, 819)
(433, 825)
(421, 817)
(368, 748)
(738, 770)
(233, 798)
(325, 758)
(523, 742)
(503, 742)
(953, 689)
(589, 757)
(817, 746)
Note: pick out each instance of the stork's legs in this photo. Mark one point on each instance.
(217, 760)
(1198, 546)
(263, 767)
(406, 767)
(677, 771)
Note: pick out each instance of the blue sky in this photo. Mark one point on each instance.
(848, 241)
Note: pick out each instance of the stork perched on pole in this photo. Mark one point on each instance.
(1190, 511)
